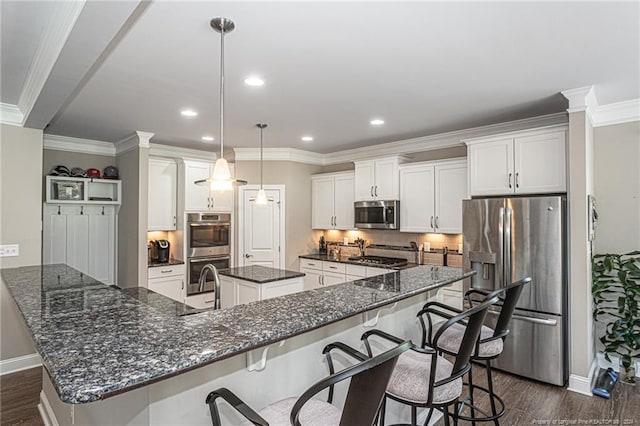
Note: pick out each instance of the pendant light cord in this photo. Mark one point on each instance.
(222, 91)
(261, 126)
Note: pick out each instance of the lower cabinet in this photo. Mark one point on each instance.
(320, 273)
(168, 281)
(201, 301)
(234, 291)
(452, 295)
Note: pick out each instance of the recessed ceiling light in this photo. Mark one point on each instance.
(376, 122)
(207, 138)
(253, 81)
(307, 138)
(189, 113)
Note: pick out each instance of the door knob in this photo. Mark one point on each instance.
(248, 255)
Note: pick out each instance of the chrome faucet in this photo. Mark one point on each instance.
(216, 282)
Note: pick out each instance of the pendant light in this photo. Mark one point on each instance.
(261, 198)
(221, 178)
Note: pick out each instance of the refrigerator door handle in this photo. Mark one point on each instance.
(507, 246)
(501, 248)
(530, 319)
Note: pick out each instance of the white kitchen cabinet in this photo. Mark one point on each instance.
(168, 280)
(244, 291)
(377, 179)
(431, 196)
(83, 237)
(528, 162)
(323, 273)
(312, 278)
(201, 301)
(332, 201)
(163, 185)
(332, 278)
(87, 191)
(202, 198)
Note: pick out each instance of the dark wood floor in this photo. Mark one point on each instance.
(19, 397)
(528, 402)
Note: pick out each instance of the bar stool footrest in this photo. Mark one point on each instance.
(486, 417)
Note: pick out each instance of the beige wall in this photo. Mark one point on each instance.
(133, 167)
(580, 149)
(299, 238)
(51, 158)
(617, 187)
(20, 223)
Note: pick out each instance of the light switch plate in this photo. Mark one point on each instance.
(9, 250)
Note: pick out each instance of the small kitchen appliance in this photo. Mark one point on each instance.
(162, 250)
(377, 214)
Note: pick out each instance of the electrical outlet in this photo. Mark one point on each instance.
(9, 250)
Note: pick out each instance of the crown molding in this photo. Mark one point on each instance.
(581, 99)
(138, 140)
(279, 154)
(52, 40)
(84, 146)
(11, 114)
(442, 140)
(616, 113)
(184, 153)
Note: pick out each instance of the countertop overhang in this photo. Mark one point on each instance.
(97, 340)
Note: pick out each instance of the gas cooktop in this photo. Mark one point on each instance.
(380, 260)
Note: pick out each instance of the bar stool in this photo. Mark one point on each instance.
(369, 380)
(489, 346)
(422, 377)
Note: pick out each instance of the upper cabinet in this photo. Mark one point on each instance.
(529, 162)
(431, 196)
(377, 179)
(332, 201)
(202, 197)
(163, 184)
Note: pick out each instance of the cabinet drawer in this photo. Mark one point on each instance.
(338, 268)
(360, 271)
(201, 301)
(166, 271)
(311, 264)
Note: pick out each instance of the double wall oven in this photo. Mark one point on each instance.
(208, 236)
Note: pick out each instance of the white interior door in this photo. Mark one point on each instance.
(261, 236)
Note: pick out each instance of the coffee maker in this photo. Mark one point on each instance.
(160, 251)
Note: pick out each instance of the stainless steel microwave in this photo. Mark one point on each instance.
(377, 214)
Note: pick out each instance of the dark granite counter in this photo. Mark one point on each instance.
(171, 262)
(97, 340)
(260, 274)
(326, 257)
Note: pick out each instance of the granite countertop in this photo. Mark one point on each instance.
(328, 258)
(260, 274)
(171, 262)
(97, 340)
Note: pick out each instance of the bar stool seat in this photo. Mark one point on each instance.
(313, 413)
(452, 338)
(410, 379)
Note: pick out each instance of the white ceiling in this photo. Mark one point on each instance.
(423, 67)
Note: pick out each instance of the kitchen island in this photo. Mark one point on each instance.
(246, 284)
(98, 342)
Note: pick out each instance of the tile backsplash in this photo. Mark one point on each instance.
(397, 238)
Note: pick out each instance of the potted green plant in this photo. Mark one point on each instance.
(616, 296)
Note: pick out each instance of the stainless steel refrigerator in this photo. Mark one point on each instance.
(507, 239)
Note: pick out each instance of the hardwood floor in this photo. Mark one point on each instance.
(528, 402)
(19, 397)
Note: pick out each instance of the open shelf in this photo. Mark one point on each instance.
(73, 190)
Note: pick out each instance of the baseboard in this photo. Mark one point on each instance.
(581, 384)
(46, 412)
(13, 365)
(615, 363)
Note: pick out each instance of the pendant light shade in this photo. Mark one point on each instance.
(261, 198)
(221, 179)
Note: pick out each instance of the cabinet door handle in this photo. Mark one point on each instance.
(517, 179)
(182, 284)
(166, 271)
(322, 279)
(437, 222)
(432, 223)
(510, 174)
(209, 301)
(175, 223)
(319, 280)
(208, 203)
(372, 191)
(333, 267)
(376, 190)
